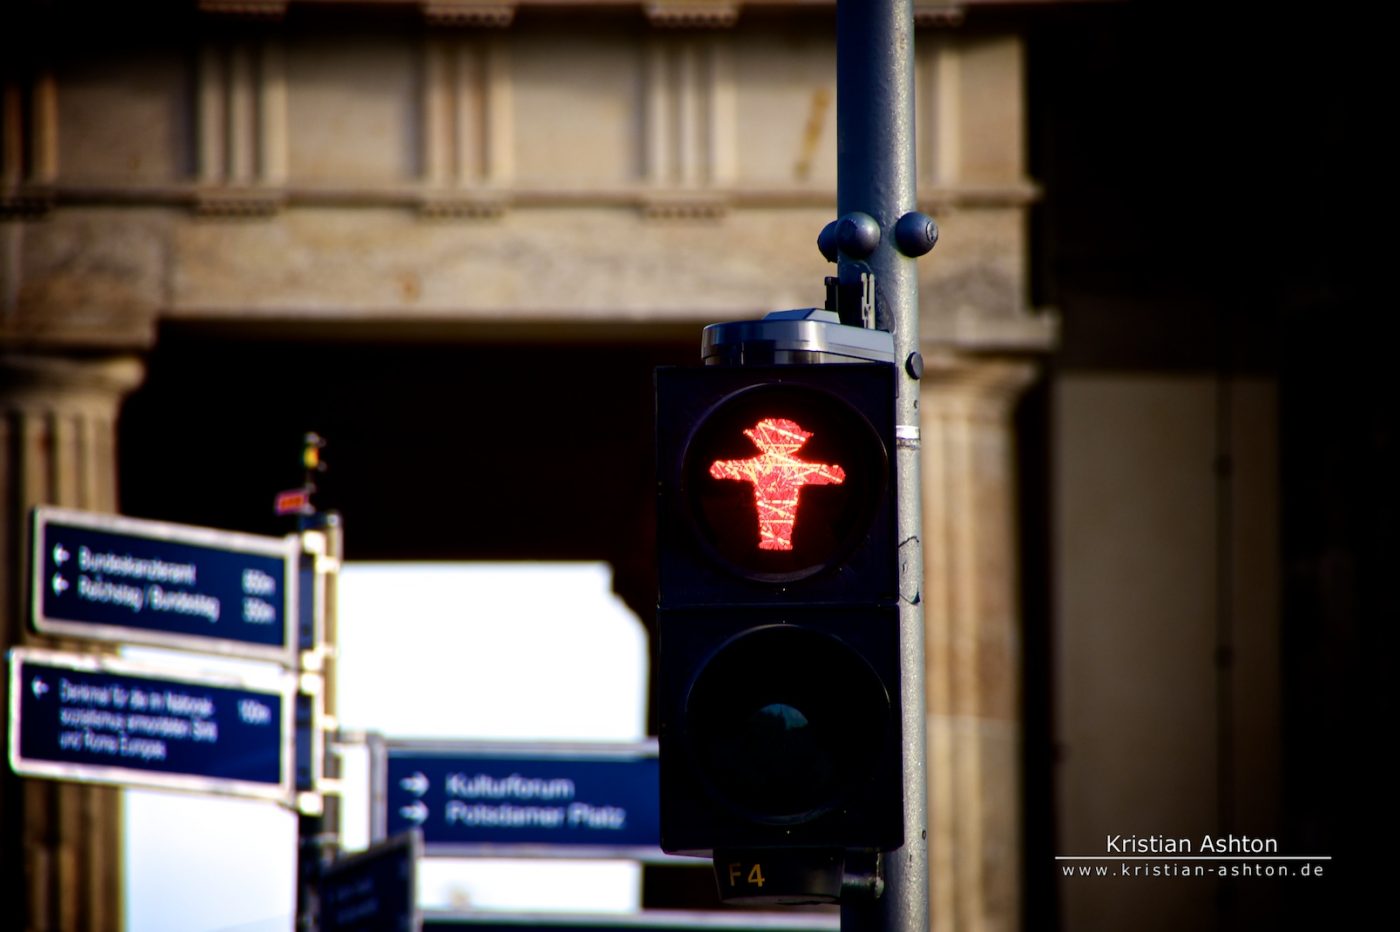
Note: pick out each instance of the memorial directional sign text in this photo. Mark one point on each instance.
(579, 800)
(101, 719)
(123, 579)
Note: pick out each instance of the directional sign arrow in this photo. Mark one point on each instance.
(59, 584)
(60, 556)
(416, 813)
(417, 784)
(39, 687)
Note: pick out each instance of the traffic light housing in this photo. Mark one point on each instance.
(779, 644)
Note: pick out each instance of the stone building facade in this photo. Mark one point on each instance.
(455, 167)
(537, 174)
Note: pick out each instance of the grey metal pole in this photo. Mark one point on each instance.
(875, 176)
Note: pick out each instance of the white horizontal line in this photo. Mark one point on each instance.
(1188, 857)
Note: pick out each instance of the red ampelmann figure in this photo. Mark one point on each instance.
(777, 476)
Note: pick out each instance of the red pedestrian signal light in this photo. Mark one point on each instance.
(777, 477)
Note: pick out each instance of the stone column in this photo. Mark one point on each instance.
(971, 620)
(60, 843)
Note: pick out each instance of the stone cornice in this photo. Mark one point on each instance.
(256, 200)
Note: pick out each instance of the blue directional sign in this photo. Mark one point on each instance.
(98, 719)
(375, 890)
(122, 579)
(566, 800)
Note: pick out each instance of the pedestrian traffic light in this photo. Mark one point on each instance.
(778, 618)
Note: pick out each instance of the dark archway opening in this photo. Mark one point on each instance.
(448, 449)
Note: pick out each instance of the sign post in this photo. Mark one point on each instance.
(95, 718)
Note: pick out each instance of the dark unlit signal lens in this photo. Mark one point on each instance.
(786, 722)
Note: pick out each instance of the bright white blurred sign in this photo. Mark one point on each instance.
(511, 650)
